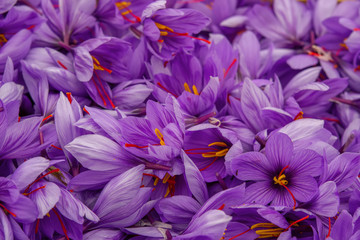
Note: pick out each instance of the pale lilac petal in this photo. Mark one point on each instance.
(279, 150)
(27, 172)
(5, 227)
(250, 166)
(343, 227)
(96, 152)
(194, 179)
(45, 198)
(74, 209)
(25, 210)
(301, 61)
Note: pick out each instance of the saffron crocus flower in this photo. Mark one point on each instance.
(16, 36)
(268, 223)
(207, 148)
(195, 94)
(281, 176)
(159, 137)
(64, 26)
(170, 30)
(123, 201)
(287, 23)
(98, 62)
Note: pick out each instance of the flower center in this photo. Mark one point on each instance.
(187, 88)
(280, 180)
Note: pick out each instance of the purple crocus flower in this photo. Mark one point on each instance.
(195, 94)
(16, 34)
(98, 62)
(170, 30)
(207, 148)
(281, 176)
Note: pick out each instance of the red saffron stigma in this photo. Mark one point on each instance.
(39, 178)
(228, 69)
(61, 223)
(86, 110)
(356, 29)
(98, 90)
(68, 94)
(240, 234)
(134, 145)
(331, 120)
(46, 118)
(328, 235)
(7, 210)
(31, 27)
(297, 221)
(37, 189)
(165, 89)
(206, 167)
(292, 195)
(62, 65)
(282, 170)
(19, 119)
(102, 88)
(221, 207)
(55, 147)
(299, 116)
(37, 226)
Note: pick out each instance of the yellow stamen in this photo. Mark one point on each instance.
(167, 192)
(220, 144)
(209, 155)
(156, 181)
(222, 152)
(263, 225)
(122, 5)
(281, 180)
(160, 136)
(163, 27)
(3, 38)
(163, 33)
(195, 90)
(166, 177)
(187, 88)
(48, 214)
(344, 46)
(127, 12)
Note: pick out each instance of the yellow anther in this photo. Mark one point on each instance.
(156, 181)
(209, 155)
(222, 152)
(187, 88)
(127, 12)
(195, 90)
(3, 38)
(344, 46)
(220, 144)
(48, 214)
(166, 178)
(281, 180)
(160, 136)
(263, 225)
(163, 27)
(122, 5)
(167, 192)
(163, 33)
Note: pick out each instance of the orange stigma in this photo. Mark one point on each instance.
(166, 31)
(124, 9)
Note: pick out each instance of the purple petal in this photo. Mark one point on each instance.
(250, 166)
(261, 192)
(307, 162)
(279, 150)
(343, 227)
(5, 227)
(27, 172)
(97, 152)
(304, 188)
(194, 179)
(177, 209)
(301, 61)
(45, 198)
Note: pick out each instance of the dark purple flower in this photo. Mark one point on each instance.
(282, 177)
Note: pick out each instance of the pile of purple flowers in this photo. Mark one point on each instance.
(179, 119)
